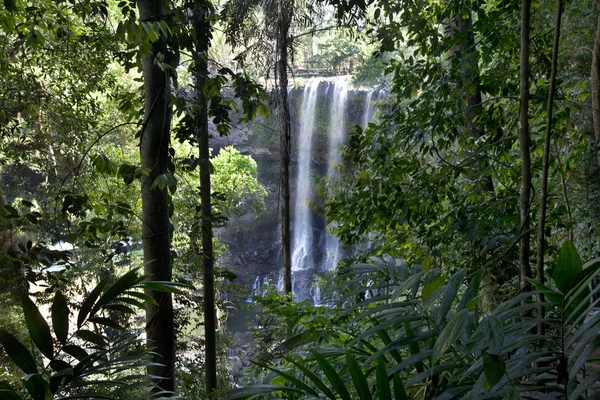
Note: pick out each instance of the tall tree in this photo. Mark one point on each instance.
(540, 244)
(595, 162)
(156, 227)
(202, 31)
(284, 19)
(524, 145)
(470, 74)
(596, 77)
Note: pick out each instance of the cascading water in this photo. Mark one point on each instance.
(314, 250)
(337, 133)
(367, 115)
(302, 256)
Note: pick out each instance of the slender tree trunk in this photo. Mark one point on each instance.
(284, 8)
(540, 247)
(470, 67)
(524, 145)
(156, 228)
(594, 172)
(595, 78)
(202, 29)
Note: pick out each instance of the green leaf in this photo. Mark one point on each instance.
(37, 387)
(11, 5)
(332, 376)
(291, 379)
(493, 368)
(106, 322)
(88, 303)
(60, 365)
(450, 292)
(143, 296)
(75, 351)
(314, 378)
(38, 328)
(124, 283)
(166, 286)
(427, 263)
(119, 307)
(386, 339)
(17, 352)
(104, 165)
(494, 334)
(160, 182)
(471, 293)
(413, 346)
(358, 378)
(568, 267)
(450, 334)
(406, 285)
(383, 383)
(552, 295)
(432, 285)
(91, 337)
(399, 391)
(9, 394)
(60, 317)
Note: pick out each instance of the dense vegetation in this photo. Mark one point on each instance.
(469, 208)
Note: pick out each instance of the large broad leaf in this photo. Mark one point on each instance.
(332, 376)
(386, 339)
(399, 391)
(60, 318)
(291, 379)
(358, 378)
(450, 292)
(471, 292)
(450, 334)
(255, 391)
(9, 394)
(75, 351)
(432, 285)
(121, 285)
(383, 383)
(11, 5)
(37, 387)
(38, 328)
(314, 378)
(88, 303)
(17, 352)
(493, 368)
(494, 334)
(91, 337)
(166, 286)
(568, 267)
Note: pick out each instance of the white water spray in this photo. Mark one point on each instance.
(302, 257)
(337, 136)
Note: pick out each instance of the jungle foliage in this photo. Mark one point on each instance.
(487, 134)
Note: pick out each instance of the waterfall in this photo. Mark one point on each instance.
(302, 237)
(368, 109)
(313, 250)
(337, 133)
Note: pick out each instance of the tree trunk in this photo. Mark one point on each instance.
(540, 246)
(524, 145)
(595, 78)
(156, 228)
(283, 114)
(470, 71)
(594, 172)
(202, 29)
